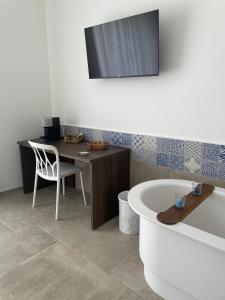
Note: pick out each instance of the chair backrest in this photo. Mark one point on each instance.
(44, 165)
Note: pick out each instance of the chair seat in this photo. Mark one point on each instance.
(66, 169)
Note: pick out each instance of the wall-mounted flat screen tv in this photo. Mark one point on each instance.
(127, 47)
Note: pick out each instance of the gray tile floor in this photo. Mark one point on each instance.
(44, 259)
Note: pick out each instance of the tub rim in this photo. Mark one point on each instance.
(134, 199)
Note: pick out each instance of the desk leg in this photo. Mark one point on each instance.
(109, 176)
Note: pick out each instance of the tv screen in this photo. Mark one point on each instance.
(127, 47)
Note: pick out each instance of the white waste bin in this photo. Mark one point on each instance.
(128, 219)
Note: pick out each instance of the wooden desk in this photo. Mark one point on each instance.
(109, 171)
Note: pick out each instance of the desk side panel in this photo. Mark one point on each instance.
(109, 177)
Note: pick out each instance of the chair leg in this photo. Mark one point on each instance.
(63, 186)
(35, 188)
(82, 187)
(57, 200)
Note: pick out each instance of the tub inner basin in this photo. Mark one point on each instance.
(208, 216)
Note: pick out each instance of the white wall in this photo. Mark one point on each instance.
(187, 100)
(24, 81)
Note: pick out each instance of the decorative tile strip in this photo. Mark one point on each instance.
(193, 157)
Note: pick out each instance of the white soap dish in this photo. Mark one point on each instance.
(83, 153)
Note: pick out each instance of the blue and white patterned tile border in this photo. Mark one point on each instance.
(194, 157)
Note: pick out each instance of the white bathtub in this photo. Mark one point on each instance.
(187, 260)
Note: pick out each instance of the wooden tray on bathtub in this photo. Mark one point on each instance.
(173, 215)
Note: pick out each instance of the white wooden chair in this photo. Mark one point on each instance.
(53, 171)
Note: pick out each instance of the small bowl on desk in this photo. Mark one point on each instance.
(97, 145)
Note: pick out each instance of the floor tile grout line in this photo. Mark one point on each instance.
(55, 240)
(6, 226)
(23, 262)
(74, 250)
(93, 263)
(109, 273)
(35, 223)
(26, 260)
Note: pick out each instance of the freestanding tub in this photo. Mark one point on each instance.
(187, 260)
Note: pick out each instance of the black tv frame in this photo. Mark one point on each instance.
(132, 76)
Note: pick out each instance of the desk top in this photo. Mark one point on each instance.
(72, 150)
